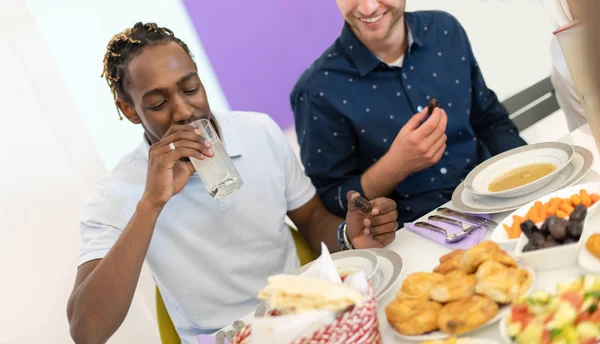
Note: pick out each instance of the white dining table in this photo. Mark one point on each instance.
(421, 254)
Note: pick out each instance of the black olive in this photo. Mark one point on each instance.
(574, 229)
(558, 228)
(570, 240)
(529, 247)
(578, 214)
(537, 239)
(544, 229)
(550, 242)
(528, 227)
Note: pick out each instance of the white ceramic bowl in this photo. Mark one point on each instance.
(499, 235)
(557, 153)
(348, 262)
(547, 258)
(564, 255)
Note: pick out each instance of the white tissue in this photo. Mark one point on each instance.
(323, 267)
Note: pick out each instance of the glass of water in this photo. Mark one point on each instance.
(218, 173)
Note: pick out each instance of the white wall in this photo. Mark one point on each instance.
(79, 31)
(48, 166)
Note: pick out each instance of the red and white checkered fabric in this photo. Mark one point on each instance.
(359, 326)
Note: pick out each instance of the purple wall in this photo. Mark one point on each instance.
(259, 48)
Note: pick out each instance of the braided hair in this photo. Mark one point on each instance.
(124, 46)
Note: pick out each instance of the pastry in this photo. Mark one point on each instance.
(291, 294)
(413, 317)
(418, 285)
(504, 258)
(483, 252)
(476, 255)
(593, 245)
(455, 285)
(501, 283)
(449, 262)
(466, 314)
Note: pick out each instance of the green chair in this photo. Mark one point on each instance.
(166, 329)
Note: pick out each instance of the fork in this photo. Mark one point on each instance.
(465, 227)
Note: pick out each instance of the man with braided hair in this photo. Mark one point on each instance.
(208, 257)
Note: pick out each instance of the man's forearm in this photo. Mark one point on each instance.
(98, 306)
(379, 180)
(325, 230)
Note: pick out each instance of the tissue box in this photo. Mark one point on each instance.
(358, 326)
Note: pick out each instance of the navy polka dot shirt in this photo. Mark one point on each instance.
(349, 106)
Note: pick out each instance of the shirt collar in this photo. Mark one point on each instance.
(363, 58)
(228, 136)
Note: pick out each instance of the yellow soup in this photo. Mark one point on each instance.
(521, 176)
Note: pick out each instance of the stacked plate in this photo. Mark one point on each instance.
(521, 175)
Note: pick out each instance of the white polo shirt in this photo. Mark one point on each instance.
(210, 257)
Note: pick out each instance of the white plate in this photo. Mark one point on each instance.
(503, 331)
(586, 260)
(479, 179)
(465, 340)
(350, 262)
(390, 268)
(502, 312)
(464, 200)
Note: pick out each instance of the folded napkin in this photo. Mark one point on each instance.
(472, 239)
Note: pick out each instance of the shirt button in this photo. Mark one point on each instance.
(419, 108)
(443, 170)
(433, 179)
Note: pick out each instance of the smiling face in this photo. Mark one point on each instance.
(373, 21)
(164, 89)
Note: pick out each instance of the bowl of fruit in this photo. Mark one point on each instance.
(560, 204)
(555, 243)
(571, 315)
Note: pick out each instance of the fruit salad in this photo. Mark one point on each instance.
(570, 316)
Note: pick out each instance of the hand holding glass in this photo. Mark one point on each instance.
(219, 175)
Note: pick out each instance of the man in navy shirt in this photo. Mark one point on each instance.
(361, 109)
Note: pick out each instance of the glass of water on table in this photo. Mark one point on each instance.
(219, 175)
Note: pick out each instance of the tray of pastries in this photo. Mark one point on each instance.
(468, 290)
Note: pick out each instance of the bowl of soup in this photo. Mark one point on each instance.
(519, 171)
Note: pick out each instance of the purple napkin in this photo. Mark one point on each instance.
(208, 339)
(472, 239)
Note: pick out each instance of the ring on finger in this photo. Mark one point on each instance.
(172, 146)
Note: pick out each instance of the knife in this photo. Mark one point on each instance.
(471, 218)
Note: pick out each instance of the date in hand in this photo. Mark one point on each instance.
(433, 103)
(362, 204)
